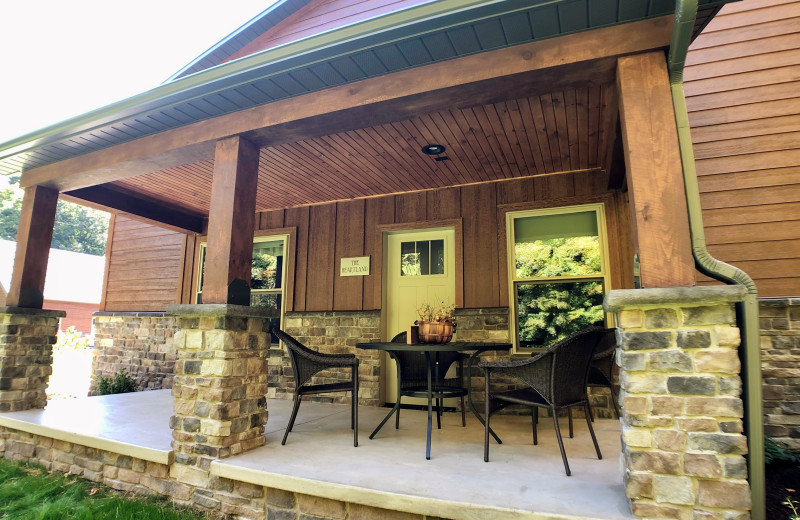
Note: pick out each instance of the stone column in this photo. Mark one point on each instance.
(26, 356)
(682, 443)
(220, 385)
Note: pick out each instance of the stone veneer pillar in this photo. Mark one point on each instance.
(682, 443)
(220, 386)
(26, 356)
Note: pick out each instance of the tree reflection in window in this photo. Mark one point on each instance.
(421, 258)
(558, 276)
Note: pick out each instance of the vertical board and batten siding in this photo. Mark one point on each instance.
(742, 84)
(328, 232)
(144, 267)
(150, 267)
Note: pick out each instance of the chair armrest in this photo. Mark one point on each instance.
(603, 355)
(330, 359)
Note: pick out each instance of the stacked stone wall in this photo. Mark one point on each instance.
(331, 332)
(26, 356)
(780, 369)
(683, 448)
(217, 495)
(141, 343)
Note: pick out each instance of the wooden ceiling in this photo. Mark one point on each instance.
(564, 130)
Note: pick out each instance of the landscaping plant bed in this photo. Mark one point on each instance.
(783, 483)
(782, 476)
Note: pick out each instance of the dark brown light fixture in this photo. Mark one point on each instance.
(437, 150)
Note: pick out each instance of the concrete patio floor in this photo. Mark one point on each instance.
(389, 471)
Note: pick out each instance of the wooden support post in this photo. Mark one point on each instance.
(655, 180)
(34, 235)
(231, 223)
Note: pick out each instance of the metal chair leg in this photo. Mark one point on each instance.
(560, 442)
(354, 415)
(486, 420)
(397, 416)
(535, 421)
(594, 439)
(297, 399)
(614, 401)
(438, 413)
(463, 413)
(569, 414)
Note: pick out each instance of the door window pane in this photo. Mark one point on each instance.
(422, 257)
(548, 312)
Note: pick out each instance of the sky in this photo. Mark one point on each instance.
(62, 58)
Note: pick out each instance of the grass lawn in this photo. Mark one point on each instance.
(31, 492)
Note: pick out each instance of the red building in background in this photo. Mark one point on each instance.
(74, 284)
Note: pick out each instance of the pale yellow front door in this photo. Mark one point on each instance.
(420, 271)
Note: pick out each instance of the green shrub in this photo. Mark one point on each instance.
(776, 452)
(120, 383)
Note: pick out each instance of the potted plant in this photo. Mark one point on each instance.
(436, 324)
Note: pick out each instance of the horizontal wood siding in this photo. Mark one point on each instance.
(743, 93)
(145, 267)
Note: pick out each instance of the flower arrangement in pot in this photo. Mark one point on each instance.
(436, 324)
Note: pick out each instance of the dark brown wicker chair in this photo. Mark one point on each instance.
(413, 379)
(555, 379)
(602, 368)
(305, 364)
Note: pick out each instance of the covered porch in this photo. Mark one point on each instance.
(533, 106)
(389, 472)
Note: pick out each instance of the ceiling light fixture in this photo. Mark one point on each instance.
(437, 150)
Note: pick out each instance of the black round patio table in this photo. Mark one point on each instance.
(431, 351)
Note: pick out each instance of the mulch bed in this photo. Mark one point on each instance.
(782, 482)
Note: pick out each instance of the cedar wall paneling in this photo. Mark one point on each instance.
(151, 267)
(144, 266)
(743, 93)
(328, 232)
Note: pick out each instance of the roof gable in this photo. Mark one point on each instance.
(231, 44)
(319, 16)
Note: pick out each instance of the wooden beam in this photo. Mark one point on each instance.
(34, 235)
(397, 94)
(231, 224)
(654, 175)
(616, 165)
(110, 199)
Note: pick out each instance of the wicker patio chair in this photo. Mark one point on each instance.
(305, 364)
(413, 378)
(555, 379)
(602, 368)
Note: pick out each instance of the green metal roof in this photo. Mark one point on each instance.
(403, 39)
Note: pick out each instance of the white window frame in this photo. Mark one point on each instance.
(604, 274)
